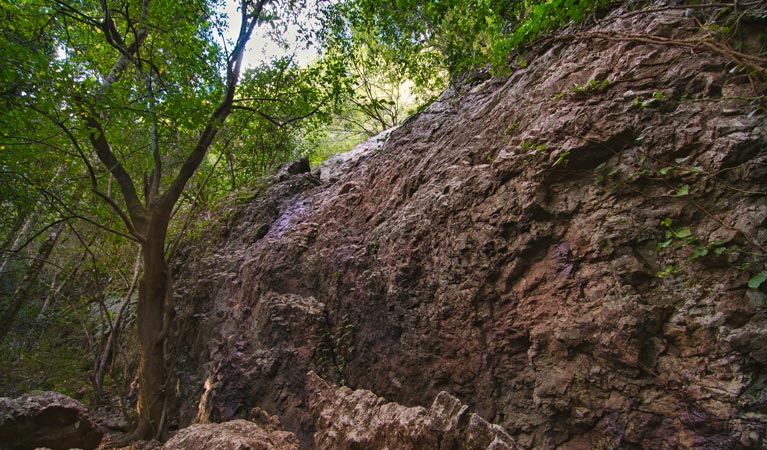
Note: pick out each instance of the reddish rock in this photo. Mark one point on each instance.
(505, 246)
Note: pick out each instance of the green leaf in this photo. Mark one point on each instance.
(683, 232)
(666, 222)
(757, 280)
(664, 171)
(719, 250)
(562, 159)
(699, 253)
(650, 102)
(668, 270)
(684, 190)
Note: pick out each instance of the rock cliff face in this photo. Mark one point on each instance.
(566, 250)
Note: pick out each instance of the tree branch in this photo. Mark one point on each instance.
(282, 122)
(216, 121)
(113, 38)
(136, 210)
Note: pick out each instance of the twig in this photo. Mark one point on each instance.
(733, 228)
(756, 63)
(685, 7)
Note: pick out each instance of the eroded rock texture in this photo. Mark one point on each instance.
(50, 420)
(524, 244)
(347, 420)
(235, 435)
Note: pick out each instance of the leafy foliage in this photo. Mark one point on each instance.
(111, 107)
(47, 353)
(424, 37)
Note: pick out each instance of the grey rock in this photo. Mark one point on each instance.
(49, 420)
(234, 435)
(348, 419)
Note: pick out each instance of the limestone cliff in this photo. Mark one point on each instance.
(565, 249)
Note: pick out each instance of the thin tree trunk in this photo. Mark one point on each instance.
(111, 344)
(24, 291)
(55, 293)
(20, 228)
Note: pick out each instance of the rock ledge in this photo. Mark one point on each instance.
(347, 419)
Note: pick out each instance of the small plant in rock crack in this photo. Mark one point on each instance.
(670, 269)
(323, 351)
(757, 280)
(532, 149)
(669, 170)
(344, 346)
(716, 248)
(592, 85)
(655, 100)
(717, 252)
(681, 235)
(562, 160)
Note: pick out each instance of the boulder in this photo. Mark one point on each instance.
(235, 435)
(49, 420)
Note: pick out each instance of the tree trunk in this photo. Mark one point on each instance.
(154, 292)
(20, 228)
(24, 291)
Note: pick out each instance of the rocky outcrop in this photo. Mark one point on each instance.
(234, 435)
(50, 420)
(347, 420)
(566, 250)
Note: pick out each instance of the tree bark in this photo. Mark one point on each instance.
(151, 318)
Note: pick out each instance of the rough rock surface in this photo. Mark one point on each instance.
(347, 420)
(235, 435)
(533, 245)
(50, 420)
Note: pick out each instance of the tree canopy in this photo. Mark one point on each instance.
(424, 37)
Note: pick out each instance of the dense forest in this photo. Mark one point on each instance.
(128, 126)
